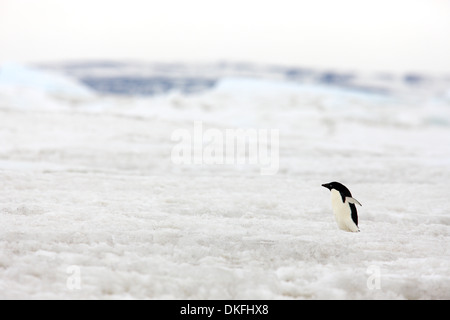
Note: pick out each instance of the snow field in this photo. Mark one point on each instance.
(89, 183)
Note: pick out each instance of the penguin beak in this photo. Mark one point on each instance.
(326, 185)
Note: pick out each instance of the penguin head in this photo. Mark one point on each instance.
(338, 187)
(330, 185)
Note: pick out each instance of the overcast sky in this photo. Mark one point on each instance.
(374, 35)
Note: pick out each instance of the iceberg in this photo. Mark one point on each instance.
(20, 76)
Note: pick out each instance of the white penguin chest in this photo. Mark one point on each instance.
(336, 201)
(341, 210)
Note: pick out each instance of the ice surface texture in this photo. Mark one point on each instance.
(88, 183)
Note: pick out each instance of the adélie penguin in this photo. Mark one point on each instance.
(343, 205)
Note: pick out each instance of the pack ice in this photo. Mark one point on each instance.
(92, 207)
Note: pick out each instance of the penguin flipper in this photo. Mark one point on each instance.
(352, 200)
